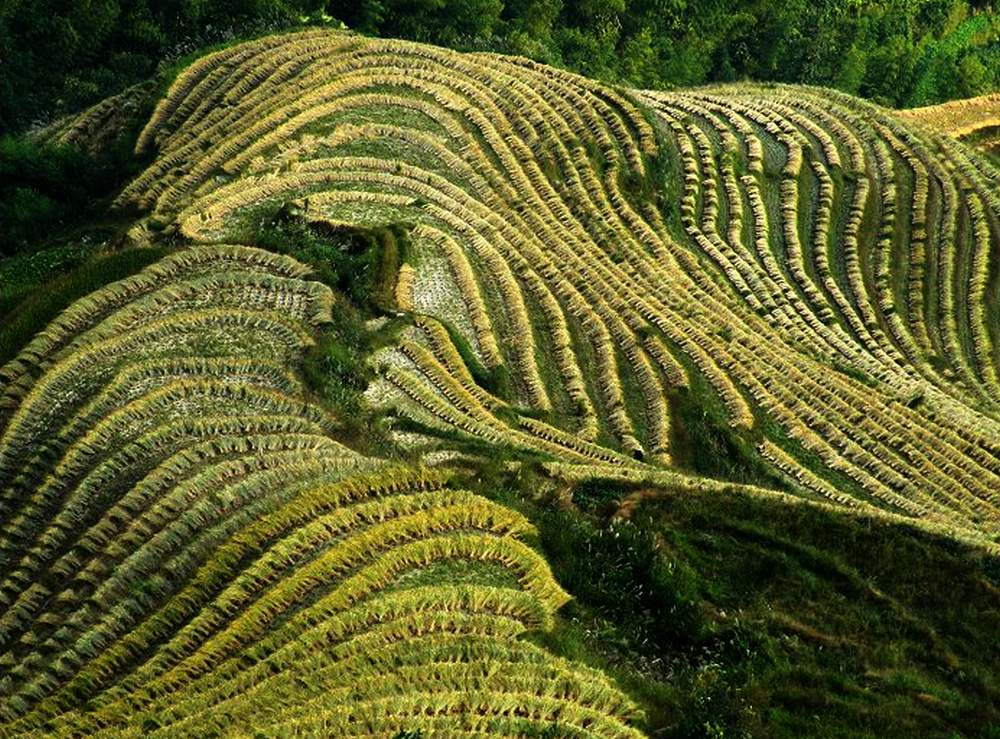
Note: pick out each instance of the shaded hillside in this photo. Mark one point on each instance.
(731, 616)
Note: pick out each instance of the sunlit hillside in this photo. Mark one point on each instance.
(245, 484)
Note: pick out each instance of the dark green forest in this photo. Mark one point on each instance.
(57, 56)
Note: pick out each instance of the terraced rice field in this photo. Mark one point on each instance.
(798, 228)
(975, 121)
(183, 541)
(185, 547)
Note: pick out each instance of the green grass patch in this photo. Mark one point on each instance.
(361, 263)
(730, 616)
(703, 442)
(496, 381)
(456, 571)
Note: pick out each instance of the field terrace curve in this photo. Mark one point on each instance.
(607, 245)
(184, 549)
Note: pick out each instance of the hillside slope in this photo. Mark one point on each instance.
(780, 293)
(822, 269)
(185, 547)
(975, 120)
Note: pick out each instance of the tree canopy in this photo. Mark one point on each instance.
(58, 56)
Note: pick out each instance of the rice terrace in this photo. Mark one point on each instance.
(403, 391)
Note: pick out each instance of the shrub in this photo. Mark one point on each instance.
(45, 188)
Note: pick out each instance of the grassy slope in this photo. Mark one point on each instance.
(739, 617)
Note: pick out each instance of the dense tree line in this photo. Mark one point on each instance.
(57, 55)
(899, 52)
